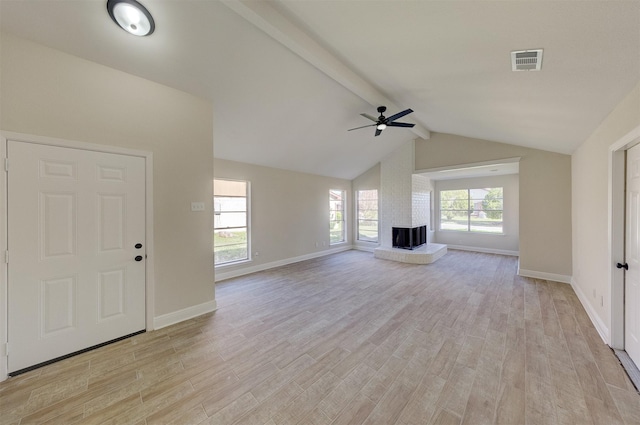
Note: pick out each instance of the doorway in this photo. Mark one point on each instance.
(624, 196)
(78, 235)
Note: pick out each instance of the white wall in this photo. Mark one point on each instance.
(506, 243)
(395, 192)
(590, 206)
(49, 93)
(289, 215)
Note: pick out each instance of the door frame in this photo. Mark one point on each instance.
(5, 136)
(617, 229)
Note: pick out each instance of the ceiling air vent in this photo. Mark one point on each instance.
(526, 60)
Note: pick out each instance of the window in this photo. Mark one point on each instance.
(367, 215)
(336, 216)
(471, 210)
(230, 241)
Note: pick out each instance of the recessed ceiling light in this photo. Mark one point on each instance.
(131, 16)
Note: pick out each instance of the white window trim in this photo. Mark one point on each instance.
(357, 216)
(249, 256)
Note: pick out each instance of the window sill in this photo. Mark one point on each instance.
(464, 232)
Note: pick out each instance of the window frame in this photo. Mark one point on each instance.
(247, 226)
(470, 202)
(358, 219)
(343, 210)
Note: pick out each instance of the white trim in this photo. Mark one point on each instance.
(50, 141)
(485, 250)
(368, 248)
(544, 275)
(185, 314)
(602, 329)
(616, 236)
(266, 266)
(4, 318)
(468, 165)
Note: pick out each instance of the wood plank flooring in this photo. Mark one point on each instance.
(348, 339)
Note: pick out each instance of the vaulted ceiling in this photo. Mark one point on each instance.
(288, 78)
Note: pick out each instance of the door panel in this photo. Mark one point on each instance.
(74, 217)
(632, 257)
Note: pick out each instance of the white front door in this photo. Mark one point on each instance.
(632, 257)
(75, 219)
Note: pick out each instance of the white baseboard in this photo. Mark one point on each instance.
(367, 248)
(544, 275)
(602, 329)
(184, 314)
(485, 250)
(260, 267)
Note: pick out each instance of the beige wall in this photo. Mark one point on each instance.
(49, 93)
(505, 243)
(590, 191)
(289, 214)
(545, 195)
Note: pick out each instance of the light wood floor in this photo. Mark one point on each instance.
(347, 339)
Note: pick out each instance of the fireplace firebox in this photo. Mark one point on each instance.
(409, 237)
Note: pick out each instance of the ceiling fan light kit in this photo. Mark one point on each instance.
(131, 16)
(383, 122)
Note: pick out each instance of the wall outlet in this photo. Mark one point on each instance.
(197, 206)
(255, 254)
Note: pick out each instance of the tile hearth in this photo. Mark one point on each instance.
(425, 254)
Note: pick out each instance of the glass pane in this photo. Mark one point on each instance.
(221, 203)
(223, 220)
(485, 224)
(368, 230)
(454, 220)
(336, 195)
(336, 233)
(229, 188)
(230, 245)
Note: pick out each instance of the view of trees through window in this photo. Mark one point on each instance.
(368, 215)
(336, 216)
(472, 210)
(230, 242)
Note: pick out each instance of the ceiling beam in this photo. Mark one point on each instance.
(268, 19)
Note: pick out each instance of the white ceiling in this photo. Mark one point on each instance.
(288, 78)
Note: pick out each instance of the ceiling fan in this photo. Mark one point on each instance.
(381, 122)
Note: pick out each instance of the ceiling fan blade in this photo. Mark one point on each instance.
(399, 115)
(357, 128)
(400, 124)
(370, 117)
(378, 132)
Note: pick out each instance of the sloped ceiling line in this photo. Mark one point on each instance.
(274, 24)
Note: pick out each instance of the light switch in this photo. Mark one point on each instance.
(197, 206)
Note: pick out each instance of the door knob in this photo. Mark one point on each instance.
(623, 266)
(138, 258)
(138, 245)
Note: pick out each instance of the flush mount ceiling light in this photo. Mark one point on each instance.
(131, 16)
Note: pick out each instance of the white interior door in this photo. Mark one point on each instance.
(74, 219)
(632, 257)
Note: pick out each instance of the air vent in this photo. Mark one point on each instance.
(526, 60)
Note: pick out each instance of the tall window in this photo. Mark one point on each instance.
(336, 216)
(230, 238)
(471, 210)
(367, 215)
